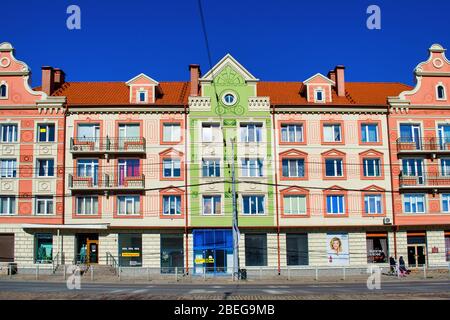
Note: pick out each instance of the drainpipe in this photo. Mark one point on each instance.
(63, 178)
(276, 190)
(394, 226)
(185, 188)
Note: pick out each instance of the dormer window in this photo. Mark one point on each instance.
(440, 92)
(3, 90)
(319, 96)
(142, 96)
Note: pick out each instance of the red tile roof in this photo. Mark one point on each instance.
(118, 93)
(357, 93)
(176, 93)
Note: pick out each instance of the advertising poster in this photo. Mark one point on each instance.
(337, 249)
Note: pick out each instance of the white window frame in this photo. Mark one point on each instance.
(127, 199)
(332, 126)
(414, 197)
(172, 167)
(15, 132)
(10, 169)
(211, 165)
(46, 125)
(444, 98)
(46, 167)
(366, 166)
(339, 212)
(244, 131)
(316, 93)
(365, 127)
(297, 175)
(11, 205)
(246, 167)
(212, 204)
(335, 166)
(443, 196)
(4, 83)
(172, 132)
(46, 200)
(138, 95)
(257, 213)
(85, 200)
(442, 168)
(175, 198)
(297, 132)
(378, 199)
(297, 198)
(213, 129)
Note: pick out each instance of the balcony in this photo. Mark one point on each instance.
(107, 146)
(106, 183)
(429, 181)
(431, 145)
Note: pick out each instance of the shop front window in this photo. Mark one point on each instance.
(377, 249)
(172, 253)
(256, 250)
(130, 250)
(43, 248)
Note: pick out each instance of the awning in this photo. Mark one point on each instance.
(103, 226)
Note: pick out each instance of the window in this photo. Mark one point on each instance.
(294, 204)
(319, 97)
(45, 167)
(6, 247)
(372, 204)
(444, 136)
(8, 132)
(377, 249)
(293, 168)
(210, 132)
(43, 248)
(129, 205)
(3, 91)
(7, 205)
(171, 132)
(8, 168)
(332, 133)
(88, 132)
(142, 96)
(46, 133)
(410, 133)
(88, 168)
(292, 133)
(335, 204)
(172, 205)
(445, 167)
(172, 168)
(255, 250)
(371, 167)
(229, 99)
(447, 248)
(440, 92)
(414, 203)
(253, 204)
(369, 132)
(445, 202)
(87, 205)
(128, 168)
(44, 205)
(130, 249)
(211, 167)
(297, 249)
(211, 205)
(252, 167)
(251, 132)
(334, 168)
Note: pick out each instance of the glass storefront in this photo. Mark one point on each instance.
(377, 248)
(297, 249)
(213, 251)
(43, 248)
(447, 246)
(130, 250)
(172, 253)
(255, 250)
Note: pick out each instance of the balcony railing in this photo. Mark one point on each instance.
(106, 183)
(425, 181)
(424, 145)
(107, 145)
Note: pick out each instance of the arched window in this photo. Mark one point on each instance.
(440, 90)
(3, 91)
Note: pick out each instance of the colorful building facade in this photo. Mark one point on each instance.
(328, 172)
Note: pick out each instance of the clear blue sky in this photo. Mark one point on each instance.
(277, 40)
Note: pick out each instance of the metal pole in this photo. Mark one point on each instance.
(148, 274)
(235, 218)
(10, 270)
(64, 271)
(37, 272)
(343, 273)
(176, 274)
(120, 272)
(92, 273)
(424, 271)
(289, 273)
(317, 274)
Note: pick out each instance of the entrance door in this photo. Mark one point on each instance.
(417, 255)
(92, 251)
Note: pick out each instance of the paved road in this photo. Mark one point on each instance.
(225, 290)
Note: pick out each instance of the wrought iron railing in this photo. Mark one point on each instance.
(106, 181)
(107, 145)
(425, 180)
(423, 144)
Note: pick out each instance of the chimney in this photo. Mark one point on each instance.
(48, 84)
(340, 80)
(195, 76)
(332, 75)
(59, 78)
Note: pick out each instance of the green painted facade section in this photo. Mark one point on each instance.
(229, 80)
